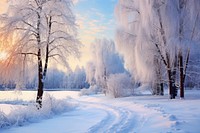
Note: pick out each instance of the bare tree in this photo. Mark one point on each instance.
(42, 29)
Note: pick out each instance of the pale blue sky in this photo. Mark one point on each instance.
(96, 20)
(96, 17)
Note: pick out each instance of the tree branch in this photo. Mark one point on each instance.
(162, 57)
(29, 24)
(53, 55)
(29, 53)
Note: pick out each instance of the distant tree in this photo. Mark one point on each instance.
(105, 61)
(80, 78)
(90, 72)
(75, 79)
(54, 79)
(42, 29)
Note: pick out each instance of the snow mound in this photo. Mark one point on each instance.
(120, 85)
(23, 114)
(90, 91)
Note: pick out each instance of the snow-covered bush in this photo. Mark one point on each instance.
(105, 61)
(23, 114)
(90, 91)
(120, 85)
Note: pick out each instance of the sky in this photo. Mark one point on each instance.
(95, 19)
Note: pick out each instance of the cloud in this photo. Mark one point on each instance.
(97, 13)
(77, 1)
(100, 15)
(94, 24)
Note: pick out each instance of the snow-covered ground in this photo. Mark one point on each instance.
(97, 113)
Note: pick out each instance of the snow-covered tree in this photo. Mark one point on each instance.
(42, 29)
(105, 62)
(154, 31)
(90, 72)
(132, 41)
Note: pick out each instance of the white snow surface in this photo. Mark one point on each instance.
(101, 114)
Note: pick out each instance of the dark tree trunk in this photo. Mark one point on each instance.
(170, 84)
(40, 81)
(186, 65)
(174, 88)
(40, 72)
(47, 47)
(105, 82)
(181, 75)
(161, 89)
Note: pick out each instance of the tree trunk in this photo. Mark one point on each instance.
(158, 85)
(181, 75)
(161, 89)
(174, 88)
(40, 81)
(105, 82)
(40, 72)
(186, 65)
(170, 84)
(169, 74)
(47, 47)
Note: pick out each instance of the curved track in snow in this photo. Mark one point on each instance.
(125, 117)
(117, 119)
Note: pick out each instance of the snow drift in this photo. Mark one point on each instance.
(22, 112)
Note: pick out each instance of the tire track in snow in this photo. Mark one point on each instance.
(104, 124)
(122, 118)
(125, 121)
(117, 119)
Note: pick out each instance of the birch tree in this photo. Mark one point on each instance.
(42, 29)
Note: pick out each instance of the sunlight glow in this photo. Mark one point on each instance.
(4, 6)
(3, 55)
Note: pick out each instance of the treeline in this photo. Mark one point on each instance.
(56, 80)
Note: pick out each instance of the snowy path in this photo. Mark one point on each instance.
(126, 116)
(117, 119)
(140, 114)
